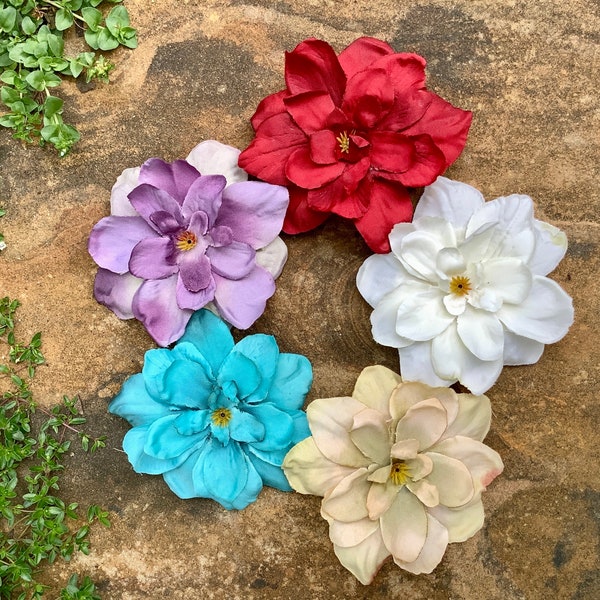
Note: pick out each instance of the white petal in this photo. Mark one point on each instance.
(545, 316)
(347, 535)
(364, 559)
(330, 421)
(438, 228)
(509, 278)
(422, 315)
(398, 233)
(347, 501)
(309, 472)
(433, 550)
(425, 422)
(378, 276)
(483, 463)
(119, 202)
(380, 497)
(519, 350)
(446, 350)
(473, 418)
(404, 526)
(461, 523)
(450, 262)
(425, 491)
(213, 158)
(374, 387)
(383, 322)
(410, 393)
(273, 257)
(550, 248)
(453, 201)
(451, 478)
(482, 333)
(371, 436)
(416, 365)
(455, 304)
(418, 253)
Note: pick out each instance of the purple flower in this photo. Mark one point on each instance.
(178, 239)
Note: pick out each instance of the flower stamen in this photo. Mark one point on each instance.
(399, 472)
(221, 417)
(186, 240)
(344, 141)
(460, 285)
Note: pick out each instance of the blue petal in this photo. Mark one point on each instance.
(301, 428)
(262, 350)
(224, 471)
(250, 491)
(133, 445)
(187, 385)
(279, 426)
(241, 371)
(292, 381)
(135, 404)
(211, 336)
(164, 441)
(268, 466)
(244, 427)
(192, 421)
(182, 481)
(156, 362)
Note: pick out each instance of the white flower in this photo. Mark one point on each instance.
(463, 291)
(401, 468)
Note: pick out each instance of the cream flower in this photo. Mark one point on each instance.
(401, 468)
(464, 291)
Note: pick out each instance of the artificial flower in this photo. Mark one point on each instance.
(401, 467)
(350, 133)
(463, 291)
(177, 240)
(213, 418)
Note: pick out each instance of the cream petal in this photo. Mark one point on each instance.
(473, 418)
(383, 322)
(214, 158)
(404, 526)
(461, 523)
(378, 276)
(550, 248)
(425, 422)
(370, 434)
(416, 365)
(433, 551)
(364, 559)
(347, 501)
(374, 387)
(347, 535)
(545, 316)
(421, 315)
(380, 475)
(425, 491)
(509, 278)
(483, 463)
(451, 200)
(519, 350)
(482, 333)
(405, 449)
(330, 420)
(380, 497)
(273, 257)
(410, 393)
(420, 466)
(452, 478)
(309, 472)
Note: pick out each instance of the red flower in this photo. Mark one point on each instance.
(350, 133)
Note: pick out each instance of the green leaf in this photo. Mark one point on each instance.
(117, 18)
(56, 44)
(63, 19)
(128, 37)
(9, 77)
(9, 95)
(52, 106)
(36, 80)
(28, 26)
(91, 37)
(106, 41)
(8, 18)
(92, 17)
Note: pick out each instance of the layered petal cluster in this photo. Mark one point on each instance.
(350, 133)
(463, 291)
(177, 240)
(401, 467)
(213, 418)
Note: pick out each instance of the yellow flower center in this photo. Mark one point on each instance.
(186, 240)
(460, 285)
(344, 141)
(399, 472)
(221, 417)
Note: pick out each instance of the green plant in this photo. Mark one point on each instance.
(37, 526)
(33, 61)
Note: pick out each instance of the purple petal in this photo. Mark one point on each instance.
(113, 238)
(174, 178)
(221, 235)
(116, 291)
(148, 200)
(155, 306)
(204, 195)
(232, 262)
(165, 222)
(199, 224)
(152, 258)
(195, 300)
(254, 210)
(242, 301)
(194, 270)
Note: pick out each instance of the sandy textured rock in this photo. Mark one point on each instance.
(529, 71)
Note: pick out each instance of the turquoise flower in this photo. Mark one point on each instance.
(213, 418)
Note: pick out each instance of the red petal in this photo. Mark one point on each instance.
(313, 67)
(300, 217)
(405, 70)
(323, 146)
(392, 152)
(446, 124)
(390, 204)
(269, 106)
(369, 96)
(310, 110)
(305, 173)
(276, 139)
(362, 53)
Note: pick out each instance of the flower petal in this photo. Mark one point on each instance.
(291, 381)
(370, 435)
(195, 272)
(310, 110)
(300, 216)
(519, 350)
(279, 426)
(550, 248)
(462, 522)
(482, 333)
(151, 258)
(374, 387)
(174, 178)
(272, 257)
(368, 97)
(425, 421)
(204, 196)
(416, 365)
(426, 302)
(379, 275)
(263, 351)
(268, 466)
(509, 278)
(116, 291)
(147, 199)
(303, 172)
(425, 491)
(119, 202)
(380, 497)
(187, 299)
(347, 501)
(347, 535)
(233, 261)
(245, 427)
(213, 158)
(165, 442)
(187, 385)
(238, 376)
(383, 322)
(473, 418)
(451, 477)
(181, 480)
(411, 393)
(362, 53)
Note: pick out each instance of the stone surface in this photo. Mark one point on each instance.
(529, 71)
